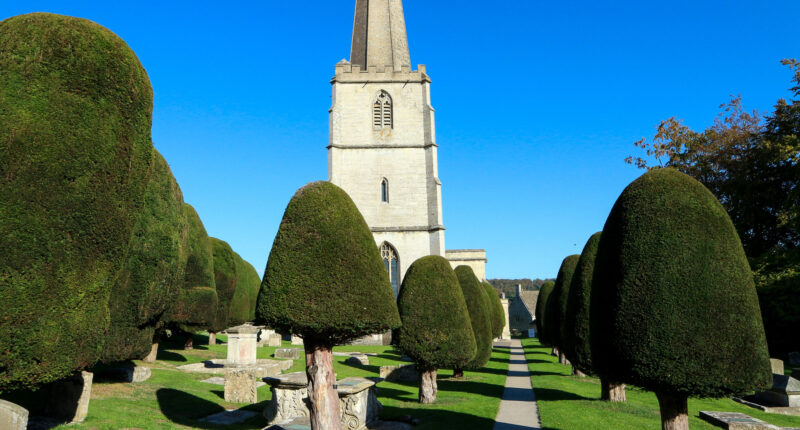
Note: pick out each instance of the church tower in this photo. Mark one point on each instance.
(382, 148)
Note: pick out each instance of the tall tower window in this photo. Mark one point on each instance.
(382, 111)
(385, 190)
(389, 255)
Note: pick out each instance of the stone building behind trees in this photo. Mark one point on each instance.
(522, 310)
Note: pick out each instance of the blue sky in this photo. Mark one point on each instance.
(537, 103)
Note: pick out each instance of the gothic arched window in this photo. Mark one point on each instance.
(382, 111)
(385, 190)
(389, 255)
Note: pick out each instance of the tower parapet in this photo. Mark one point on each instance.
(354, 73)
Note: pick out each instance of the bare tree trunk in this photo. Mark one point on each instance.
(458, 373)
(189, 341)
(427, 386)
(212, 338)
(674, 411)
(612, 391)
(323, 399)
(554, 352)
(151, 357)
(577, 372)
(563, 359)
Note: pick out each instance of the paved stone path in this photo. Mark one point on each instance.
(518, 410)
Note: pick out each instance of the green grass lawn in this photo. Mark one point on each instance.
(174, 399)
(567, 402)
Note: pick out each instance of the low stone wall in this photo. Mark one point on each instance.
(13, 417)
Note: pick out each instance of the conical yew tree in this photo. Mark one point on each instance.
(541, 311)
(243, 305)
(436, 329)
(556, 304)
(225, 281)
(326, 282)
(674, 308)
(478, 307)
(497, 314)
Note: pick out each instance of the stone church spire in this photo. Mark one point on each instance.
(379, 35)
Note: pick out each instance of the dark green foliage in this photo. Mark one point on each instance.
(436, 329)
(153, 272)
(75, 149)
(194, 307)
(777, 279)
(575, 340)
(497, 314)
(561, 295)
(541, 311)
(674, 308)
(243, 306)
(224, 280)
(478, 307)
(325, 279)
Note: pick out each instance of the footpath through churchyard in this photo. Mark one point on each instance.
(518, 409)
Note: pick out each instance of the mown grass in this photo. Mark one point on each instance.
(567, 402)
(173, 399)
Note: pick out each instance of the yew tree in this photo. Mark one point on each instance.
(541, 311)
(225, 282)
(478, 307)
(326, 282)
(436, 331)
(673, 305)
(497, 314)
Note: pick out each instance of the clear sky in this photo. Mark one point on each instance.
(537, 103)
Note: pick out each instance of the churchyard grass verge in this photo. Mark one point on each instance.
(173, 399)
(567, 402)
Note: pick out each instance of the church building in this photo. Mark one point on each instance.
(382, 149)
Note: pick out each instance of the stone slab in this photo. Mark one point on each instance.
(218, 380)
(350, 354)
(240, 386)
(69, 397)
(275, 340)
(13, 417)
(230, 417)
(753, 403)
(297, 340)
(777, 366)
(262, 368)
(406, 373)
(736, 421)
(287, 353)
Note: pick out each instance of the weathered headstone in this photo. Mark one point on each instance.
(287, 353)
(275, 340)
(358, 360)
(69, 398)
(151, 357)
(13, 417)
(296, 340)
(242, 345)
(240, 386)
(264, 336)
(777, 366)
(736, 421)
(785, 392)
(406, 373)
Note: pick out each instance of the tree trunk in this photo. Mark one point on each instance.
(674, 411)
(612, 391)
(323, 398)
(458, 373)
(577, 372)
(151, 358)
(212, 338)
(189, 341)
(554, 352)
(563, 359)
(427, 386)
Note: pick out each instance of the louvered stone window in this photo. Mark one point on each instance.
(382, 111)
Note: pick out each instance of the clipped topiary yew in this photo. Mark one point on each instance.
(497, 314)
(436, 330)
(195, 304)
(674, 308)
(243, 305)
(326, 282)
(556, 304)
(225, 282)
(478, 307)
(153, 271)
(541, 311)
(75, 117)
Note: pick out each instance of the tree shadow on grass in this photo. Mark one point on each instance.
(550, 394)
(434, 419)
(167, 355)
(187, 410)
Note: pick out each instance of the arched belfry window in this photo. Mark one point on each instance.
(385, 190)
(382, 111)
(389, 255)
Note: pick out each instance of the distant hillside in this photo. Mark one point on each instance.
(509, 286)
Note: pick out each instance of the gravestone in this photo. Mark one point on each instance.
(785, 392)
(736, 421)
(264, 336)
(296, 340)
(13, 417)
(69, 398)
(287, 353)
(275, 340)
(406, 373)
(126, 373)
(358, 401)
(240, 386)
(242, 345)
(358, 360)
(777, 366)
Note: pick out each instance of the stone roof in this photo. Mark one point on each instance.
(529, 299)
(379, 35)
